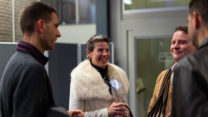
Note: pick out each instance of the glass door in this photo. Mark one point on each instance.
(152, 57)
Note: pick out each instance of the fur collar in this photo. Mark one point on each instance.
(88, 83)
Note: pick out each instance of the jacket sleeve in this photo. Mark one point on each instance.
(77, 104)
(189, 93)
(57, 112)
(156, 90)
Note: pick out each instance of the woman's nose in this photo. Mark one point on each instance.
(104, 52)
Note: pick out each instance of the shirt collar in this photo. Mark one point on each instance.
(173, 66)
(25, 47)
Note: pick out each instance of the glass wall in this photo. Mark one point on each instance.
(86, 11)
(152, 56)
(147, 4)
(74, 11)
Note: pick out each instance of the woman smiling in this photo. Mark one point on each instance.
(98, 87)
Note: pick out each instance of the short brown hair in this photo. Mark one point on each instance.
(96, 38)
(182, 28)
(201, 7)
(32, 13)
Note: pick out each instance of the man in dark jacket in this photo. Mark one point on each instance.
(25, 89)
(190, 85)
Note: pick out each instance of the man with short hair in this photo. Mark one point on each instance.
(181, 45)
(25, 89)
(190, 85)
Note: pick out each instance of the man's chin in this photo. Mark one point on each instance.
(50, 48)
(178, 58)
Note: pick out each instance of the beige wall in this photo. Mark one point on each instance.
(76, 33)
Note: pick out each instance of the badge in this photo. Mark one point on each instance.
(115, 84)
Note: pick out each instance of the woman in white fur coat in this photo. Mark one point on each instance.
(98, 87)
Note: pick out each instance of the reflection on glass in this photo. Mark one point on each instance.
(152, 56)
(146, 4)
(86, 11)
(128, 2)
(66, 10)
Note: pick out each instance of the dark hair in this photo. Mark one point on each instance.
(96, 38)
(201, 7)
(32, 13)
(182, 28)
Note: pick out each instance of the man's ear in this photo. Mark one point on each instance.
(40, 25)
(197, 20)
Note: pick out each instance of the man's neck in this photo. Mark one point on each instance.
(33, 40)
(203, 34)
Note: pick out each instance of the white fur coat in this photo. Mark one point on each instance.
(90, 93)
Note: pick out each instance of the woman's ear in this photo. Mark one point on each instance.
(88, 54)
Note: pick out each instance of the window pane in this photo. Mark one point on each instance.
(10, 23)
(65, 10)
(145, 4)
(6, 20)
(152, 57)
(87, 11)
(19, 5)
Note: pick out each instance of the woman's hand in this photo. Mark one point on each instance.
(117, 108)
(76, 113)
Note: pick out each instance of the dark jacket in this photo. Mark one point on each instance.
(190, 85)
(25, 89)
